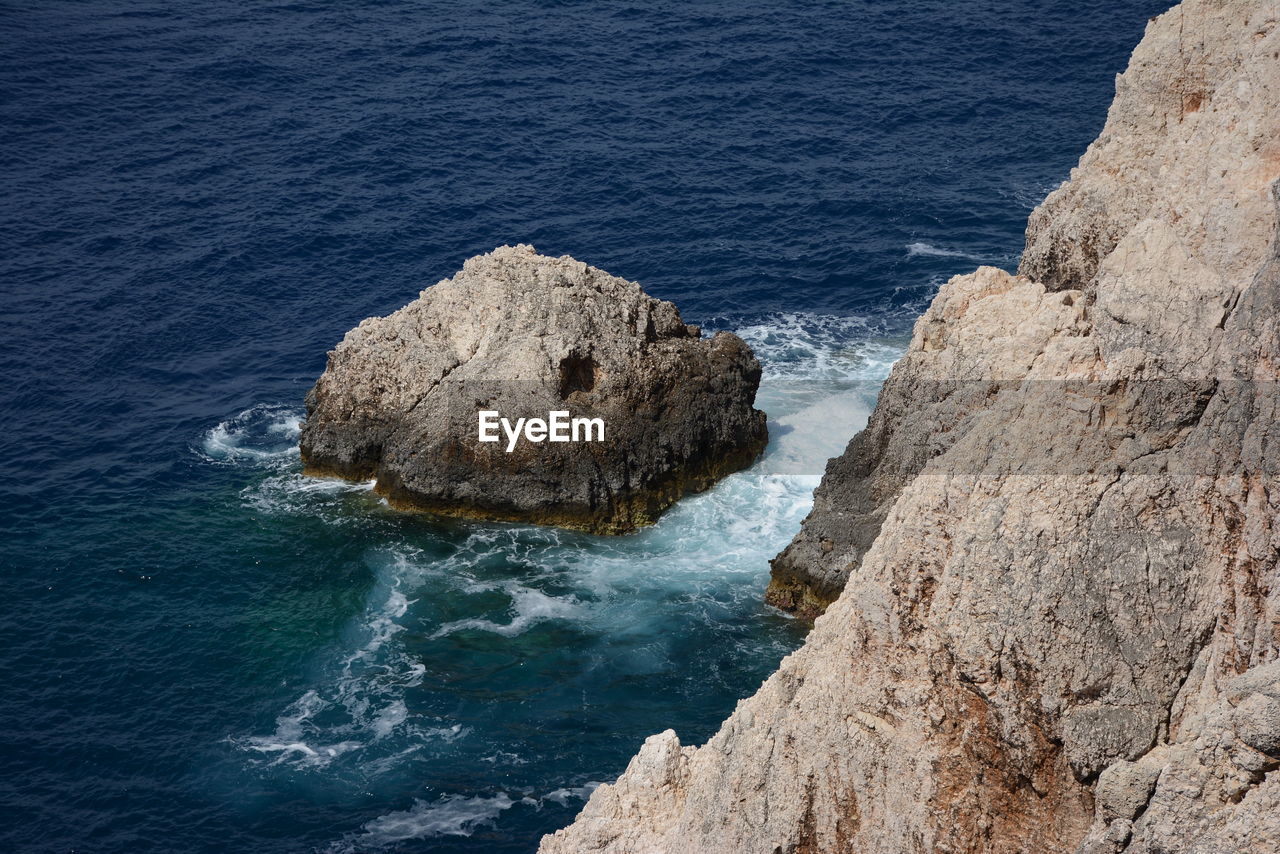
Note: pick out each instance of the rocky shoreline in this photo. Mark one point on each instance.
(1048, 565)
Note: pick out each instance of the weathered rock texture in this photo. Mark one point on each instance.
(1158, 172)
(524, 334)
(1055, 547)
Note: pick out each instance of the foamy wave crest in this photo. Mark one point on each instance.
(577, 793)
(293, 493)
(363, 703)
(265, 434)
(266, 437)
(451, 815)
(529, 607)
(821, 374)
(294, 741)
(817, 348)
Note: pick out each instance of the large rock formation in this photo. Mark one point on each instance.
(525, 335)
(1054, 552)
(1140, 168)
(926, 405)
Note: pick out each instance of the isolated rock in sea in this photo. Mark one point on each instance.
(524, 335)
(1054, 552)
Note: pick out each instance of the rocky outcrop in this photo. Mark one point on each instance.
(525, 335)
(926, 406)
(1139, 175)
(1059, 624)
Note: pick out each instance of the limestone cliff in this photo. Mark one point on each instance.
(1053, 552)
(523, 335)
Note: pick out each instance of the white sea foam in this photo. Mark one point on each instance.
(451, 815)
(363, 702)
(291, 493)
(262, 434)
(929, 249)
(529, 606)
(818, 348)
(289, 742)
(578, 793)
(803, 441)
(821, 374)
(266, 437)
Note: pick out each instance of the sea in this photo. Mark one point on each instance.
(202, 650)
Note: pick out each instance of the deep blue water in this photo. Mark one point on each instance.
(200, 650)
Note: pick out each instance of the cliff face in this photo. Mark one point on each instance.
(1172, 164)
(1053, 552)
(523, 335)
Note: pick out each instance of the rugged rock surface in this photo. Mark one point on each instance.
(524, 335)
(1159, 166)
(1059, 628)
(926, 405)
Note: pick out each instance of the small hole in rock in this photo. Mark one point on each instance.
(577, 373)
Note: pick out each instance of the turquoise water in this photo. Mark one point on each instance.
(203, 651)
(507, 654)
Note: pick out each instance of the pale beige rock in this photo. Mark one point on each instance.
(1125, 788)
(523, 335)
(1063, 634)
